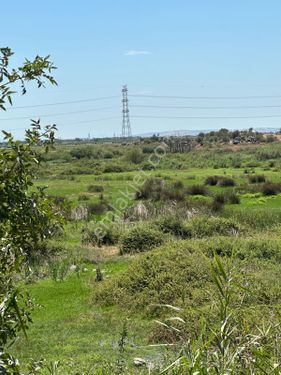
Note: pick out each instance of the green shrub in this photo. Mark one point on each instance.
(212, 180)
(216, 205)
(135, 156)
(83, 197)
(95, 188)
(172, 274)
(175, 226)
(220, 199)
(233, 198)
(38, 253)
(81, 153)
(219, 180)
(110, 235)
(178, 185)
(271, 188)
(113, 168)
(151, 189)
(259, 219)
(59, 270)
(147, 150)
(157, 189)
(262, 247)
(97, 208)
(172, 194)
(108, 155)
(256, 178)
(226, 181)
(62, 205)
(197, 190)
(206, 226)
(140, 238)
(148, 167)
(227, 197)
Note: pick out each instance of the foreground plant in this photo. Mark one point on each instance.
(26, 218)
(223, 348)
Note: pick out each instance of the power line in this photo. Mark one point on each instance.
(205, 117)
(68, 102)
(205, 97)
(93, 120)
(78, 122)
(58, 114)
(204, 107)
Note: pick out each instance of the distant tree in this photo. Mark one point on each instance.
(235, 134)
(224, 130)
(81, 153)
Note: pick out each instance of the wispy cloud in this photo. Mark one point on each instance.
(134, 52)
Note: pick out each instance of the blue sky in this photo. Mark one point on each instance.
(202, 48)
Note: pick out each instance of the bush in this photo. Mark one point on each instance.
(220, 199)
(197, 190)
(168, 275)
(172, 195)
(205, 226)
(271, 188)
(114, 168)
(216, 205)
(233, 198)
(95, 188)
(157, 189)
(227, 197)
(258, 219)
(250, 248)
(175, 226)
(212, 180)
(151, 189)
(59, 269)
(110, 236)
(108, 155)
(178, 185)
(139, 239)
(256, 178)
(97, 208)
(81, 153)
(226, 181)
(83, 197)
(62, 205)
(38, 253)
(147, 150)
(135, 156)
(219, 180)
(148, 167)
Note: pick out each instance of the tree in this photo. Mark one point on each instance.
(25, 217)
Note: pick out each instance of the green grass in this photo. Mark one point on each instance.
(117, 184)
(69, 328)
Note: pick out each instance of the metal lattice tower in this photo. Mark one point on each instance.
(126, 126)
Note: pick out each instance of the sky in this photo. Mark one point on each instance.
(192, 65)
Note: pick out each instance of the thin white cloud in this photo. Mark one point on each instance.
(134, 52)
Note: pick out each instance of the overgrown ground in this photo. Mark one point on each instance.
(80, 321)
(67, 327)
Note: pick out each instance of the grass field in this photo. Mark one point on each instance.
(68, 326)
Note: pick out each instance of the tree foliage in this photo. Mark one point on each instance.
(26, 217)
